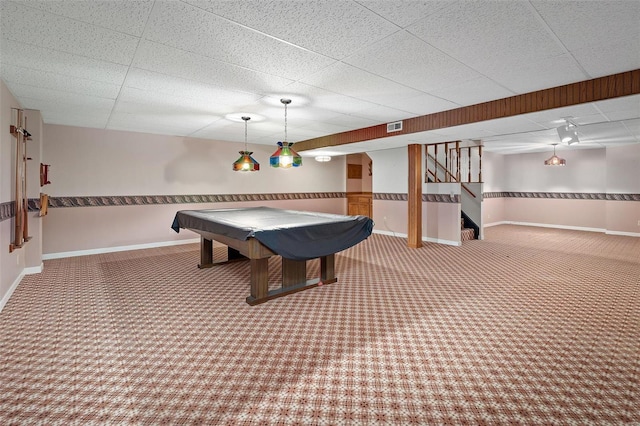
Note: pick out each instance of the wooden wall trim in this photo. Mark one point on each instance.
(414, 233)
(597, 89)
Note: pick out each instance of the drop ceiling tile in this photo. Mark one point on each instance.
(473, 91)
(22, 91)
(75, 66)
(134, 101)
(352, 122)
(538, 75)
(331, 28)
(350, 81)
(128, 18)
(327, 99)
(382, 114)
(621, 108)
(155, 83)
(189, 28)
(422, 105)
(404, 12)
(169, 124)
(69, 113)
(485, 34)
(555, 117)
(74, 116)
(43, 29)
(48, 80)
(609, 58)
(579, 24)
(180, 63)
(405, 59)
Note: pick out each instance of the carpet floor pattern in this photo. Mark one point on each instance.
(529, 326)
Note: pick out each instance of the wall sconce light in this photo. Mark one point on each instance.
(285, 157)
(555, 160)
(246, 163)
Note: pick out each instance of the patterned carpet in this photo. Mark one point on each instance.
(529, 326)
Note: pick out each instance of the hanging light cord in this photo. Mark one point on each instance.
(285, 123)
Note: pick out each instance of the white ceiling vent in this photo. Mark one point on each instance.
(394, 127)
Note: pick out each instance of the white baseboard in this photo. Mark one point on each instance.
(488, 225)
(34, 269)
(64, 254)
(425, 239)
(390, 233)
(574, 228)
(626, 234)
(440, 241)
(13, 287)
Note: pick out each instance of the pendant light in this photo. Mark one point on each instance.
(555, 160)
(285, 157)
(246, 163)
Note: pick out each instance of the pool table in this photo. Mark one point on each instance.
(257, 233)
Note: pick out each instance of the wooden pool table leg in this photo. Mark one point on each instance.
(327, 269)
(259, 280)
(294, 272)
(206, 253)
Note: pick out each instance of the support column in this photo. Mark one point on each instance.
(415, 196)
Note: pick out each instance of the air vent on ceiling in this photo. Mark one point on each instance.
(394, 127)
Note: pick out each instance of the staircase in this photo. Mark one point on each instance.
(466, 234)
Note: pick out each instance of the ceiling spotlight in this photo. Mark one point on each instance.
(555, 160)
(323, 158)
(568, 133)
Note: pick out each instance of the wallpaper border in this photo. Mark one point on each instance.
(7, 209)
(565, 195)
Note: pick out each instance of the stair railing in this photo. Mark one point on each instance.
(449, 177)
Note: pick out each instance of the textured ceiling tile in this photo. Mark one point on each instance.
(407, 60)
(606, 59)
(54, 113)
(484, 35)
(73, 66)
(328, 100)
(49, 80)
(473, 92)
(126, 17)
(620, 108)
(152, 123)
(153, 82)
(538, 75)
(179, 63)
(134, 100)
(351, 81)
(334, 28)
(43, 29)
(422, 105)
(579, 24)
(188, 28)
(381, 113)
(21, 91)
(404, 12)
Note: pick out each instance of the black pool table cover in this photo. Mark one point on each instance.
(292, 234)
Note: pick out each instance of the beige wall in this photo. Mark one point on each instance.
(91, 162)
(601, 172)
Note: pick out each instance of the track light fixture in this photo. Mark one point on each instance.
(568, 133)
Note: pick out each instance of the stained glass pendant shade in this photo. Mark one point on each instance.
(285, 157)
(246, 163)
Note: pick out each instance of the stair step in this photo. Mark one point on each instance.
(467, 234)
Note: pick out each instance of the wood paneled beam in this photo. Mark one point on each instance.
(597, 89)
